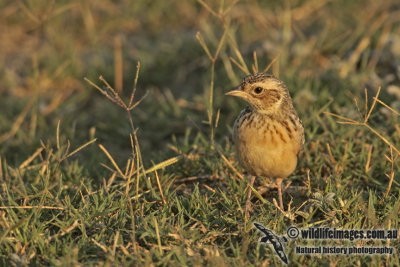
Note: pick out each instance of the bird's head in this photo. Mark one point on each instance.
(264, 92)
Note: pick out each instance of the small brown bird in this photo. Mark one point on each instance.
(268, 134)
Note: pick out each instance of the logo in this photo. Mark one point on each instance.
(326, 233)
(276, 241)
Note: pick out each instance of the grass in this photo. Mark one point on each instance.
(86, 182)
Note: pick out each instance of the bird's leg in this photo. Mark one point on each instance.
(248, 201)
(279, 186)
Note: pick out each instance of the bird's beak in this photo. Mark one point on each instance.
(237, 92)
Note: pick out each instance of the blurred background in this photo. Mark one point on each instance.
(324, 50)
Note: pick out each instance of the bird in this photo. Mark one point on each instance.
(275, 240)
(268, 134)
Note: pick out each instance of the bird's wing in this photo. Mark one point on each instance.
(279, 250)
(260, 227)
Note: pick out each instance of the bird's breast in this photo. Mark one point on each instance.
(266, 146)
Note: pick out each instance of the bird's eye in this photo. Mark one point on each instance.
(258, 90)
